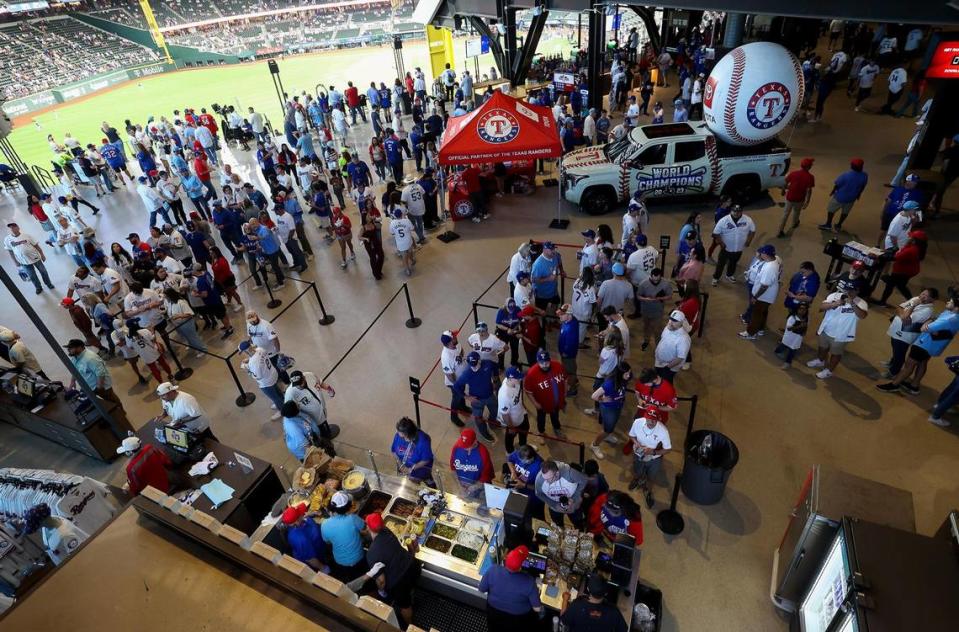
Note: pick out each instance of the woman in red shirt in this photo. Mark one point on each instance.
(202, 171)
(343, 231)
(905, 265)
(36, 209)
(224, 278)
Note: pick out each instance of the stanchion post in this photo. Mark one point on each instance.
(274, 302)
(693, 404)
(669, 520)
(244, 398)
(582, 454)
(415, 389)
(182, 372)
(412, 322)
(327, 318)
(702, 315)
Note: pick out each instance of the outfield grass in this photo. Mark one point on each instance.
(243, 85)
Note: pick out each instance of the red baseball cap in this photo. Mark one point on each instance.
(529, 310)
(857, 163)
(467, 438)
(292, 514)
(651, 411)
(858, 265)
(375, 521)
(515, 558)
(807, 163)
(67, 301)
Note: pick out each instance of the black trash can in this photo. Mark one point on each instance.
(710, 459)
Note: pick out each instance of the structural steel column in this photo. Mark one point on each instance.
(735, 27)
(595, 55)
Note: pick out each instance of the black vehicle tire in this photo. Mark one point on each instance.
(743, 188)
(598, 200)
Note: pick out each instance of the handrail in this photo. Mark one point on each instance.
(43, 177)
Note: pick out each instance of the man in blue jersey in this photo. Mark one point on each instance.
(113, 154)
(394, 154)
(476, 387)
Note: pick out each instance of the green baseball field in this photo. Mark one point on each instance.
(240, 85)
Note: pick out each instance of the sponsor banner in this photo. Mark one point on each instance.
(31, 103)
(40, 100)
(945, 62)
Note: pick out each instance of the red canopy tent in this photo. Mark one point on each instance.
(502, 129)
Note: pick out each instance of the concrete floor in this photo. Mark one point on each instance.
(718, 570)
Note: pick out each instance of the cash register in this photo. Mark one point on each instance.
(182, 444)
(28, 390)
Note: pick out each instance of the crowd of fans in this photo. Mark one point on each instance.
(44, 54)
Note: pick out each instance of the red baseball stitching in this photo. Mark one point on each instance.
(623, 183)
(735, 83)
(797, 69)
(714, 162)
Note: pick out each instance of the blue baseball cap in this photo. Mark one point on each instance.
(245, 345)
(397, 213)
(542, 355)
(619, 269)
(642, 240)
(522, 274)
(769, 250)
(911, 205)
(591, 234)
(912, 177)
(514, 373)
(548, 245)
(133, 323)
(473, 358)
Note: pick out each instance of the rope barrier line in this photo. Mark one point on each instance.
(509, 429)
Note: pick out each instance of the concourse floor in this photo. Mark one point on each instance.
(717, 572)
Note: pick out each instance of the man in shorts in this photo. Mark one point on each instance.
(847, 188)
(650, 441)
(842, 312)
(653, 294)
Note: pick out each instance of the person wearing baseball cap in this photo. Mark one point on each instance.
(487, 345)
(393, 566)
(476, 387)
(567, 344)
(545, 274)
(589, 612)
(453, 364)
(257, 363)
(617, 291)
(905, 265)
(512, 596)
(95, 374)
(509, 326)
(148, 466)
(847, 188)
(650, 441)
(545, 384)
(797, 192)
(673, 346)
(855, 276)
(764, 291)
(307, 390)
(305, 538)
(842, 311)
(28, 256)
(344, 531)
(898, 230)
(524, 293)
(511, 411)
(471, 464)
(907, 191)
(182, 410)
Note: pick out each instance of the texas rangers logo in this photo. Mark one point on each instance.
(768, 105)
(463, 209)
(709, 92)
(497, 127)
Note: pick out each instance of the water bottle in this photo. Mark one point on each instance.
(705, 447)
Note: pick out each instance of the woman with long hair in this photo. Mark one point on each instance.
(224, 278)
(183, 320)
(583, 302)
(149, 349)
(378, 157)
(343, 231)
(286, 160)
(609, 358)
(610, 398)
(372, 239)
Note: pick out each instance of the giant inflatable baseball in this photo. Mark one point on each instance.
(753, 93)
